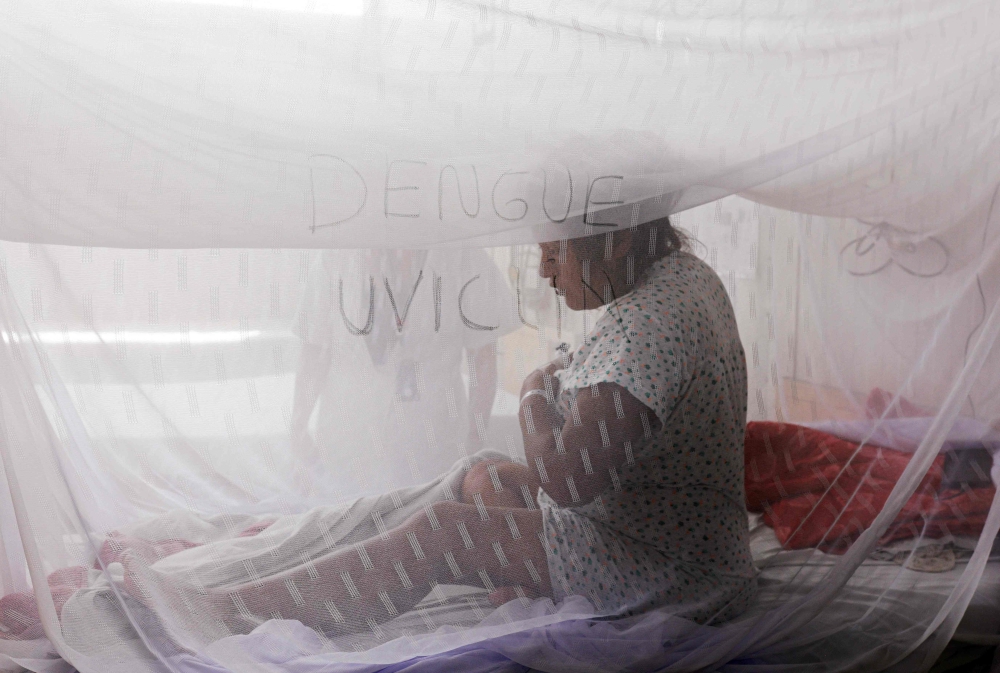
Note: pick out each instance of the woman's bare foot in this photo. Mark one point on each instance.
(19, 618)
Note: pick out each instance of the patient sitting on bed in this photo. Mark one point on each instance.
(633, 495)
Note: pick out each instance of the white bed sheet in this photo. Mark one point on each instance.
(780, 568)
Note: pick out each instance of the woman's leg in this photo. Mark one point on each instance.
(503, 484)
(366, 584)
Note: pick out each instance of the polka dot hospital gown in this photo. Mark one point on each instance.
(674, 533)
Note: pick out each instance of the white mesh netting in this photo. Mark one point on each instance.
(349, 335)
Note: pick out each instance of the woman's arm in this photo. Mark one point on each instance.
(576, 458)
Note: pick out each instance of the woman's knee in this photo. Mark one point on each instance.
(483, 480)
(497, 483)
(476, 480)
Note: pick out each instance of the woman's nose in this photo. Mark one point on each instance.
(547, 266)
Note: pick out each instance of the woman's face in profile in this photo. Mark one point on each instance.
(567, 277)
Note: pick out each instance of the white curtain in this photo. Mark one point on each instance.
(180, 181)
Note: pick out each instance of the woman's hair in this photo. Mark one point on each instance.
(651, 241)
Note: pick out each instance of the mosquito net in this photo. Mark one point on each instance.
(423, 335)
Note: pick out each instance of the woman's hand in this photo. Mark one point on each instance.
(579, 458)
(536, 379)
